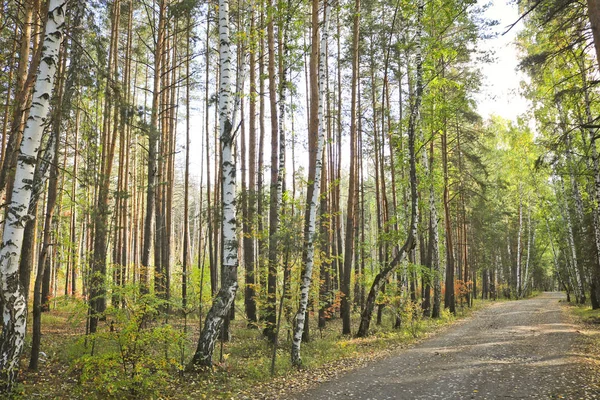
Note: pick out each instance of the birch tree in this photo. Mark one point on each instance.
(224, 299)
(318, 129)
(276, 181)
(11, 292)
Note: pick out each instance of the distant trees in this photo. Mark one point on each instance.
(564, 94)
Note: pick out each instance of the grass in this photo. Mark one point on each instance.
(587, 323)
(241, 366)
(585, 313)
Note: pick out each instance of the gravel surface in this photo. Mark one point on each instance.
(526, 349)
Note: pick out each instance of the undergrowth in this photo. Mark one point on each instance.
(136, 353)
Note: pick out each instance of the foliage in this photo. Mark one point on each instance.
(136, 356)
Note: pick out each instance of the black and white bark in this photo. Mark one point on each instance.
(519, 243)
(595, 165)
(14, 310)
(530, 247)
(313, 200)
(276, 184)
(222, 303)
(579, 289)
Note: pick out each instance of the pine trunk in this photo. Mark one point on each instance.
(153, 136)
(250, 194)
(351, 206)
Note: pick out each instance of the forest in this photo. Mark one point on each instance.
(180, 177)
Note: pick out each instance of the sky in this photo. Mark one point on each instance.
(500, 92)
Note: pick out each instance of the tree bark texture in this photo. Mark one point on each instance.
(14, 310)
(352, 176)
(317, 130)
(221, 306)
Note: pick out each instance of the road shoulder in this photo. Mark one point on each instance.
(587, 348)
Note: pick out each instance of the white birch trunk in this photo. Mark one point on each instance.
(579, 290)
(14, 312)
(555, 260)
(434, 236)
(596, 170)
(575, 187)
(530, 242)
(310, 253)
(579, 214)
(554, 253)
(222, 302)
(519, 245)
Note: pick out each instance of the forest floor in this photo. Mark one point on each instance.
(537, 348)
(74, 366)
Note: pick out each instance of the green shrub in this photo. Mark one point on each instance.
(134, 357)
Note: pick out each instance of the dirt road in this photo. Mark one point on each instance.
(523, 349)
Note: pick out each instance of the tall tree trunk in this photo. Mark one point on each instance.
(316, 144)
(434, 241)
(580, 228)
(14, 312)
(595, 166)
(97, 299)
(210, 220)
(40, 302)
(271, 306)
(580, 290)
(530, 246)
(518, 288)
(262, 245)
(449, 299)
(222, 303)
(325, 232)
(596, 215)
(351, 206)
(43, 259)
(153, 136)
(250, 194)
(186, 222)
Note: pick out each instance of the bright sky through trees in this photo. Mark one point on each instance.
(501, 80)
